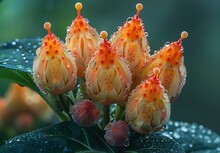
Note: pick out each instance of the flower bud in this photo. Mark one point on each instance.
(131, 42)
(85, 113)
(116, 133)
(54, 68)
(170, 61)
(148, 107)
(82, 40)
(108, 78)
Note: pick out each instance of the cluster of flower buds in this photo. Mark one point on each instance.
(112, 71)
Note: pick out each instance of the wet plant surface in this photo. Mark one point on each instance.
(111, 96)
(67, 137)
(16, 59)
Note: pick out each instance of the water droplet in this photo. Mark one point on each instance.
(184, 129)
(29, 44)
(15, 60)
(67, 150)
(176, 135)
(4, 63)
(190, 145)
(35, 46)
(176, 124)
(6, 59)
(13, 43)
(167, 43)
(19, 67)
(46, 142)
(129, 19)
(127, 143)
(68, 65)
(18, 140)
(17, 50)
(10, 141)
(20, 47)
(87, 20)
(29, 70)
(17, 40)
(26, 60)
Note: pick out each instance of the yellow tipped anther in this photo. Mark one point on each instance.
(156, 71)
(184, 34)
(139, 7)
(104, 34)
(78, 6)
(47, 25)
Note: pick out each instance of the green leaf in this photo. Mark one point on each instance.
(16, 60)
(22, 78)
(193, 137)
(156, 143)
(65, 137)
(19, 54)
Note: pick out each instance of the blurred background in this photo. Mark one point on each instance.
(164, 21)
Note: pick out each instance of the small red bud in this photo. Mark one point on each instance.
(116, 133)
(85, 113)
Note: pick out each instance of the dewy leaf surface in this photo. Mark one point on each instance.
(19, 54)
(193, 137)
(65, 137)
(156, 143)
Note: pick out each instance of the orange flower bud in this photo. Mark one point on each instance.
(54, 68)
(82, 40)
(85, 113)
(116, 133)
(148, 107)
(131, 42)
(108, 78)
(170, 61)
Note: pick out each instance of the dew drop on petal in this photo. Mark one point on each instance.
(13, 43)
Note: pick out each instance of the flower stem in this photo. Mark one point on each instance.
(106, 117)
(50, 100)
(119, 113)
(72, 97)
(64, 104)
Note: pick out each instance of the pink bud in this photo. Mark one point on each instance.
(85, 113)
(116, 133)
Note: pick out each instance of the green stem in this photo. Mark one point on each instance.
(64, 104)
(83, 88)
(51, 103)
(72, 97)
(106, 117)
(119, 112)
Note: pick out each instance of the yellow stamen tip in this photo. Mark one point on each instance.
(104, 34)
(139, 7)
(184, 34)
(78, 6)
(47, 25)
(156, 71)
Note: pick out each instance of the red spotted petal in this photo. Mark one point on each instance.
(54, 68)
(82, 40)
